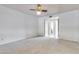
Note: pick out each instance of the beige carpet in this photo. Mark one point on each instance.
(40, 45)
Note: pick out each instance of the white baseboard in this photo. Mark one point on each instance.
(10, 40)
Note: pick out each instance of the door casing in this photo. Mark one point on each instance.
(48, 22)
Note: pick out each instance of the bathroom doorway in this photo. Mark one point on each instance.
(51, 27)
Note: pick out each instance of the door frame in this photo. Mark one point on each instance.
(57, 27)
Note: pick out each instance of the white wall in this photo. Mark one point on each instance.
(41, 25)
(68, 25)
(15, 25)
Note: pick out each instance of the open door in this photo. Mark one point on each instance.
(51, 28)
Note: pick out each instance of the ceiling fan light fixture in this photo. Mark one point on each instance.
(39, 9)
(38, 12)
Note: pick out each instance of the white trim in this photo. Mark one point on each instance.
(55, 19)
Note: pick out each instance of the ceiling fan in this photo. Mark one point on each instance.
(39, 8)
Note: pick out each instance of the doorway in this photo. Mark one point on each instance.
(51, 27)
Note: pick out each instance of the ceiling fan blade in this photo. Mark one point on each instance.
(36, 10)
(33, 9)
(44, 10)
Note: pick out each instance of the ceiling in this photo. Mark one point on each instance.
(52, 8)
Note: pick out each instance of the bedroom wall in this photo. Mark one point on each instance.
(41, 25)
(68, 25)
(15, 25)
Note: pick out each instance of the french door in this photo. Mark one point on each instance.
(51, 28)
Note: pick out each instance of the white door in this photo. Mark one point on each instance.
(51, 28)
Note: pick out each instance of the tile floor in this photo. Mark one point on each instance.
(40, 45)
